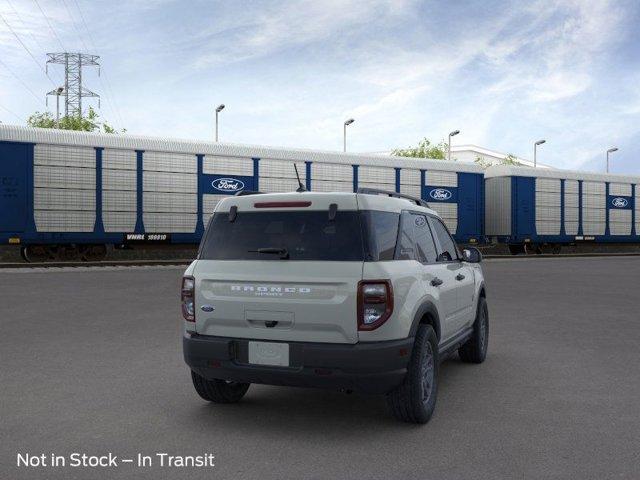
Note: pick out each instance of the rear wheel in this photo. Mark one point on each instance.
(415, 400)
(219, 391)
(475, 349)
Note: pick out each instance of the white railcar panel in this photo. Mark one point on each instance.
(498, 206)
(593, 228)
(280, 169)
(571, 186)
(331, 186)
(64, 156)
(209, 203)
(571, 219)
(441, 179)
(169, 182)
(119, 201)
(594, 188)
(379, 186)
(63, 199)
(547, 199)
(122, 180)
(119, 221)
(64, 177)
(449, 214)
(413, 190)
(378, 175)
(620, 222)
(214, 164)
(637, 208)
(170, 202)
(548, 185)
(119, 159)
(623, 189)
(170, 222)
(273, 185)
(64, 220)
(410, 176)
(331, 171)
(169, 162)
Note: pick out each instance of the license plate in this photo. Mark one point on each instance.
(269, 353)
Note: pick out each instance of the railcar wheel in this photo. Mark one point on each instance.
(516, 249)
(36, 253)
(556, 249)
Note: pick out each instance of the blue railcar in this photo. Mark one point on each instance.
(539, 209)
(72, 193)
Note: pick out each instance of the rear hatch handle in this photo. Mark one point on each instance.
(283, 252)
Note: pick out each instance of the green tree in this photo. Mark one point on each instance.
(510, 159)
(425, 149)
(89, 123)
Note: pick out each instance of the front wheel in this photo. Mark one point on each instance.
(415, 400)
(219, 391)
(475, 349)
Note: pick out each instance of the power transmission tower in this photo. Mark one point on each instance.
(73, 91)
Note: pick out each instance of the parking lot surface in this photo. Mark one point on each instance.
(91, 362)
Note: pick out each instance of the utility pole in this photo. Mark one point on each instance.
(73, 90)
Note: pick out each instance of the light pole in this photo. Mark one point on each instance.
(611, 150)
(59, 90)
(452, 134)
(344, 133)
(535, 152)
(218, 110)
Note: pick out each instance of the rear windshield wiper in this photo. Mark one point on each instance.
(284, 254)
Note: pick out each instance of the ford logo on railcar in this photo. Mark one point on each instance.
(228, 184)
(440, 194)
(619, 202)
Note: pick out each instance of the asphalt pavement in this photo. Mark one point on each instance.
(91, 362)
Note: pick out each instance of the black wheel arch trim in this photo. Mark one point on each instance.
(427, 308)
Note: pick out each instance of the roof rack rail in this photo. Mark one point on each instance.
(377, 191)
(242, 193)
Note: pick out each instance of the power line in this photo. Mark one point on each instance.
(21, 81)
(75, 27)
(12, 113)
(28, 51)
(24, 25)
(50, 26)
(106, 85)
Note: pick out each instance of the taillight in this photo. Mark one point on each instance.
(187, 297)
(375, 303)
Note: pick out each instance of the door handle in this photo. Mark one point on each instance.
(436, 282)
(460, 277)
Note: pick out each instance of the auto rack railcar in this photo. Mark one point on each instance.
(72, 193)
(534, 210)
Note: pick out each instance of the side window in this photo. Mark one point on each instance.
(380, 232)
(406, 240)
(426, 248)
(447, 250)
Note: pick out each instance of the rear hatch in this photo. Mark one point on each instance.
(281, 267)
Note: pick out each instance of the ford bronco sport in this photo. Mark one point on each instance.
(359, 292)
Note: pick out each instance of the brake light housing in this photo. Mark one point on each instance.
(375, 303)
(187, 297)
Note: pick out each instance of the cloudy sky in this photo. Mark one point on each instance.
(290, 73)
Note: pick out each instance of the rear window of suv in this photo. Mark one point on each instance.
(301, 235)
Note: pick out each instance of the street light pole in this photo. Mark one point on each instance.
(344, 133)
(611, 150)
(452, 134)
(218, 110)
(535, 152)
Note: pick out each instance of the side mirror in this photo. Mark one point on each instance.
(471, 255)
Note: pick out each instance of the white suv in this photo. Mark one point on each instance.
(355, 291)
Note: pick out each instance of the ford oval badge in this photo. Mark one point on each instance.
(619, 202)
(228, 184)
(440, 194)
(207, 308)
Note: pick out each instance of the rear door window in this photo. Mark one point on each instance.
(447, 250)
(406, 238)
(380, 230)
(425, 246)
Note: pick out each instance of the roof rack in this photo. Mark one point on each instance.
(242, 193)
(377, 191)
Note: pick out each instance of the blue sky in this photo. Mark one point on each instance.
(504, 73)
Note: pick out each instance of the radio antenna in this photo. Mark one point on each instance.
(300, 186)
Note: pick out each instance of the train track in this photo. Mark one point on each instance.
(184, 262)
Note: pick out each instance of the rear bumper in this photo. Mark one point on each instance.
(375, 367)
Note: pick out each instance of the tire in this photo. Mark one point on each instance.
(415, 400)
(475, 349)
(219, 391)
